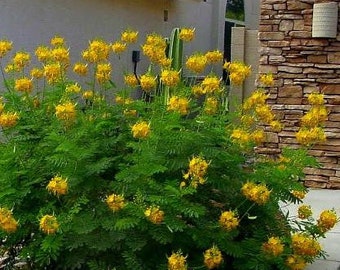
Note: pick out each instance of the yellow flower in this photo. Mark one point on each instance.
(198, 167)
(97, 51)
(295, 262)
(257, 98)
(298, 194)
(131, 80)
(103, 72)
(80, 69)
(211, 84)
(7, 221)
(177, 261)
(211, 105)
(129, 36)
(187, 34)
(257, 193)
(273, 246)
(197, 90)
(165, 62)
(57, 41)
(238, 72)
(304, 211)
(58, 185)
(170, 77)
(276, 126)
(212, 257)
(178, 104)
(327, 220)
(49, 224)
(247, 120)
(305, 245)
(23, 85)
(240, 136)
(88, 94)
(43, 54)
(21, 59)
(214, 56)
(229, 220)
(196, 63)
(258, 136)
(140, 130)
(8, 119)
(61, 54)
(315, 116)
(52, 72)
(11, 68)
(267, 79)
(310, 136)
(37, 73)
(316, 99)
(115, 202)
(118, 47)
(73, 88)
(5, 47)
(66, 111)
(154, 214)
(264, 113)
(154, 48)
(147, 82)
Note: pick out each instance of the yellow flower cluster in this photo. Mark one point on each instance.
(305, 245)
(8, 119)
(131, 80)
(177, 261)
(66, 111)
(61, 55)
(296, 262)
(299, 194)
(214, 56)
(21, 59)
(119, 47)
(7, 221)
(80, 69)
(187, 34)
(115, 202)
(49, 224)
(229, 220)
(154, 48)
(327, 220)
(311, 130)
(240, 136)
(154, 214)
(24, 85)
(266, 80)
(5, 47)
(140, 130)
(103, 72)
(178, 104)
(212, 257)
(211, 84)
(305, 211)
(53, 72)
(97, 51)
(238, 72)
(147, 82)
(58, 185)
(257, 193)
(170, 77)
(43, 53)
(129, 36)
(273, 246)
(73, 88)
(211, 105)
(37, 73)
(123, 101)
(197, 170)
(57, 41)
(196, 63)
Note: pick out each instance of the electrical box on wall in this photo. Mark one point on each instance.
(325, 20)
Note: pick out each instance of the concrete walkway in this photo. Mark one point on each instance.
(319, 200)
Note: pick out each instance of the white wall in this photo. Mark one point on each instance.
(34, 22)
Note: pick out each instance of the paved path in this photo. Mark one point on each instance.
(319, 200)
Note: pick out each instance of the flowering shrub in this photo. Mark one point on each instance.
(92, 179)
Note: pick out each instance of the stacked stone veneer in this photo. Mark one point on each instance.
(301, 65)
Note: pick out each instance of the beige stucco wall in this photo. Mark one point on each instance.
(34, 22)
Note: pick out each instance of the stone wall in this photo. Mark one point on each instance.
(301, 65)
